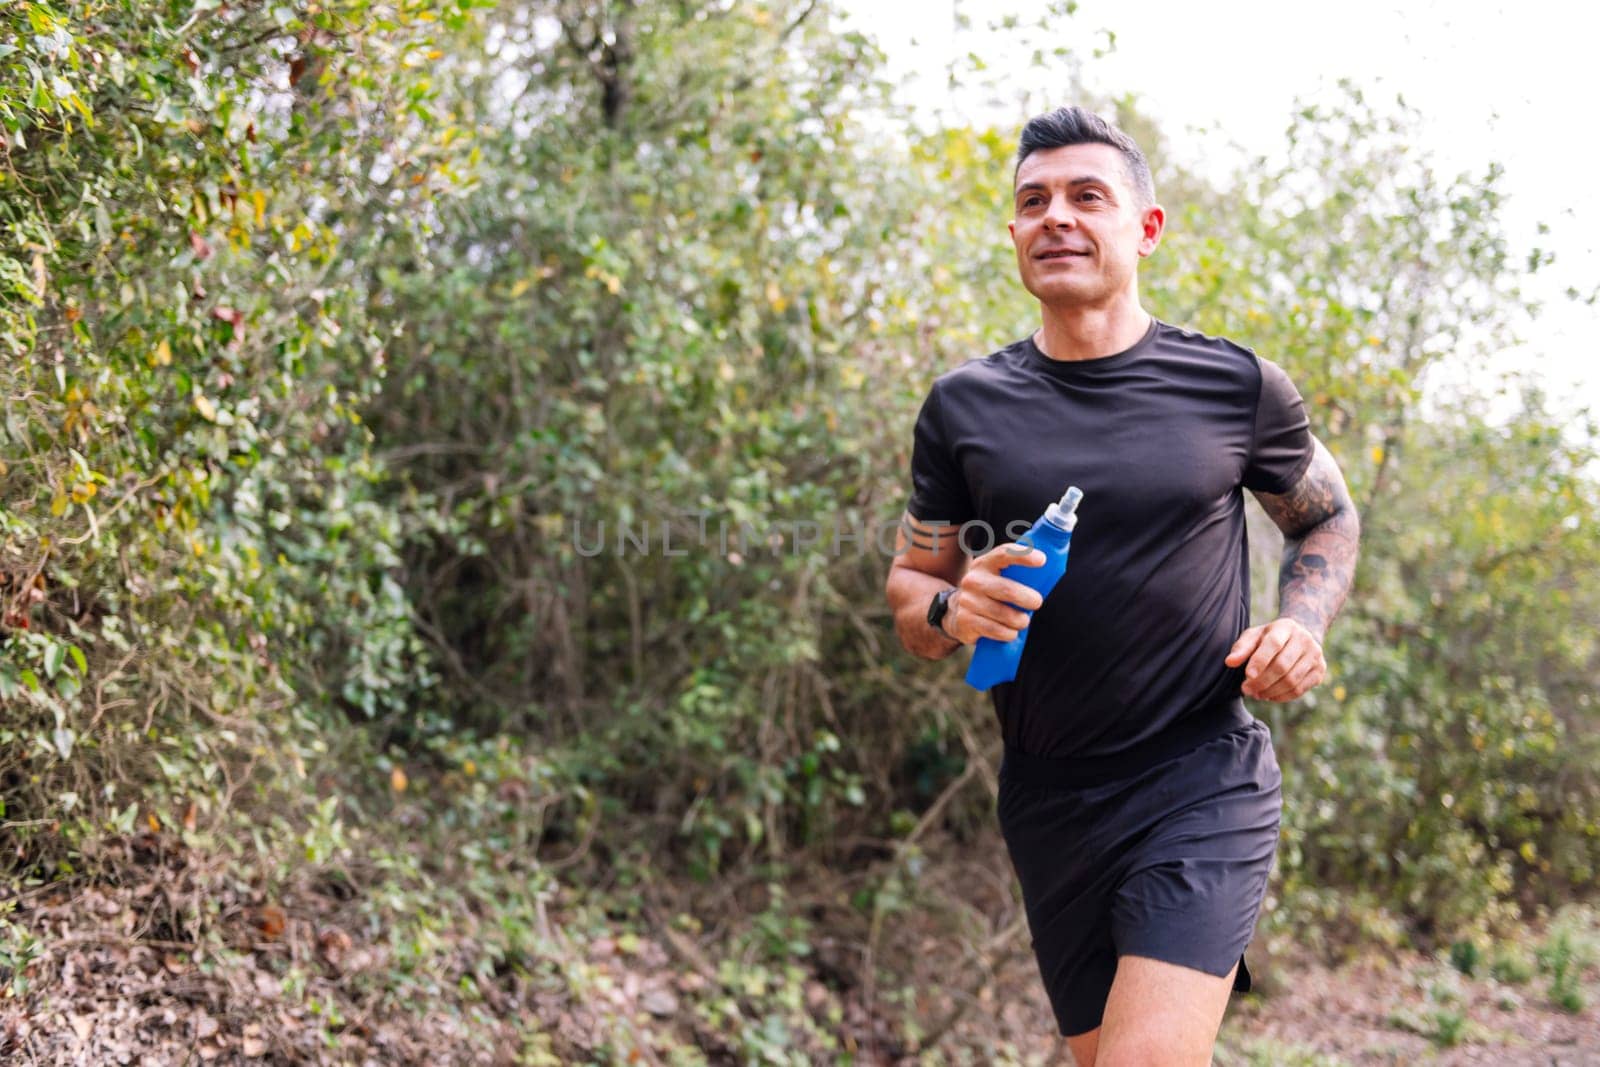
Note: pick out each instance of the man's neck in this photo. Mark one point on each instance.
(1081, 333)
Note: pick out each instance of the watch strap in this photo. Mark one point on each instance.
(939, 610)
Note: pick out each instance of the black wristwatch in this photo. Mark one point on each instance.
(938, 608)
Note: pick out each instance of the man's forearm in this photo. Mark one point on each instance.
(909, 593)
(1318, 569)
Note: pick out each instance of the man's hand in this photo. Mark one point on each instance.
(982, 605)
(1285, 660)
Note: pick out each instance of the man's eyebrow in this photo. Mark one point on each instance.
(1083, 179)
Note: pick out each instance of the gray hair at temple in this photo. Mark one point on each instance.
(1074, 125)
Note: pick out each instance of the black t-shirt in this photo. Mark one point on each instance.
(1162, 438)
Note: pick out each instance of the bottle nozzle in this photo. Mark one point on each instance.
(1065, 513)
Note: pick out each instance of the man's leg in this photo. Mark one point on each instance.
(1083, 1047)
(1159, 1013)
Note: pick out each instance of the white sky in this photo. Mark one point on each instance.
(1516, 83)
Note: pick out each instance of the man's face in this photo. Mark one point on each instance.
(1079, 229)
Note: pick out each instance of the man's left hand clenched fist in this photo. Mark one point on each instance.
(1284, 660)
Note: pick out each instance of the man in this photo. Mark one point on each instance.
(1139, 800)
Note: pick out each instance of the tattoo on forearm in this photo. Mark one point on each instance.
(1316, 575)
(1321, 537)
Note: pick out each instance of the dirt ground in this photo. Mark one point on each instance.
(1406, 1008)
(1385, 1008)
(117, 979)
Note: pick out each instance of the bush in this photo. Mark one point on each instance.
(195, 565)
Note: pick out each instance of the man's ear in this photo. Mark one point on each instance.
(1154, 224)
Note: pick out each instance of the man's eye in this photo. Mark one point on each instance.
(1090, 193)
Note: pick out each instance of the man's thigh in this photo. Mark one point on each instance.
(1083, 1047)
(1157, 1013)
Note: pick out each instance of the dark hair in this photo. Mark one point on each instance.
(1073, 125)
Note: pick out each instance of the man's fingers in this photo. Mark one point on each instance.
(977, 615)
(987, 626)
(1278, 681)
(1281, 648)
(999, 631)
(1307, 673)
(1298, 666)
(1002, 556)
(1025, 597)
(1003, 590)
(1017, 552)
(1282, 660)
(1245, 645)
(997, 607)
(1004, 601)
(1282, 667)
(1002, 614)
(1273, 642)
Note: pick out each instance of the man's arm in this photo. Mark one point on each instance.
(1321, 532)
(929, 558)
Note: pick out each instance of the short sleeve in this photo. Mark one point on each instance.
(1281, 448)
(938, 489)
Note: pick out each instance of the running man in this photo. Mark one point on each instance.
(1139, 798)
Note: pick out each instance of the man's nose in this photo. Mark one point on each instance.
(1058, 214)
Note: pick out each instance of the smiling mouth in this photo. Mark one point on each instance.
(1060, 253)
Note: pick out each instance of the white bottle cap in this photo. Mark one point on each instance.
(1065, 514)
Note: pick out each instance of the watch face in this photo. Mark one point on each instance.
(936, 610)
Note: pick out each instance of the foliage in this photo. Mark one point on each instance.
(191, 551)
(671, 316)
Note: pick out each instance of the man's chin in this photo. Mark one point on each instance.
(1060, 292)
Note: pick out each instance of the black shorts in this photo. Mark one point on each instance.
(1169, 862)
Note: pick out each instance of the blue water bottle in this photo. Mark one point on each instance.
(994, 661)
